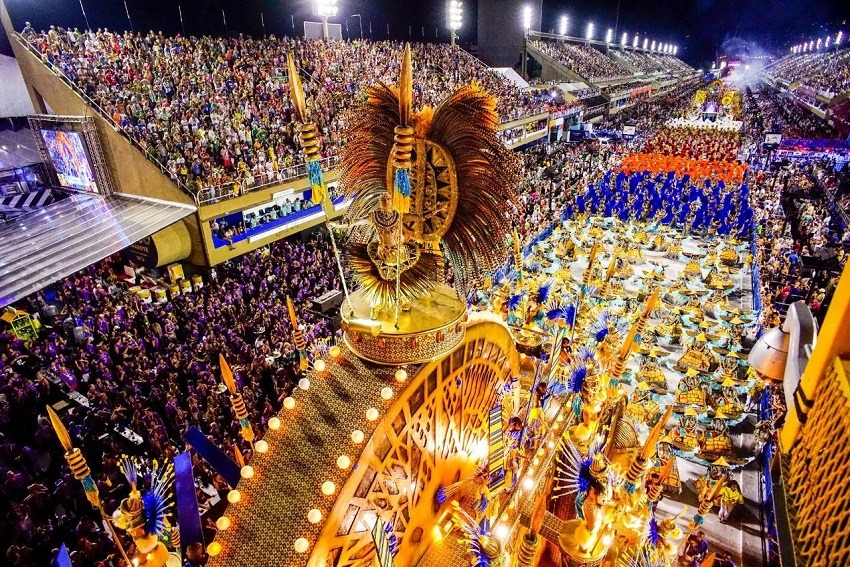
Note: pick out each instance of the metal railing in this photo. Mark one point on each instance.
(243, 186)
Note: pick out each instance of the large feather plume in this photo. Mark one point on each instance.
(488, 177)
(367, 152)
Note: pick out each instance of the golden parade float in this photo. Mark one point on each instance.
(520, 431)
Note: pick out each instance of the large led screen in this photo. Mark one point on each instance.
(70, 160)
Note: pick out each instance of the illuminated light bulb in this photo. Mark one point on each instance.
(541, 451)
(319, 365)
(213, 549)
(387, 393)
(304, 383)
(274, 423)
(536, 462)
(247, 471)
(607, 539)
(522, 356)
(261, 446)
(528, 483)
(400, 375)
(505, 517)
(551, 444)
(501, 531)
(289, 402)
(234, 496)
(372, 414)
(357, 436)
(335, 351)
(301, 545)
(314, 516)
(343, 462)
(222, 523)
(328, 488)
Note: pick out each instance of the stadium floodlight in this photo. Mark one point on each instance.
(827, 42)
(652, 47)
(526, 18)
(625, 39)
(326, 9)
(562, 25)
(839, 37)
(645, 43)
(609, 37)
(675, 50)
(805, 47)
(820, 41)
(454, 13)
(589, 30)
(635, 41)
(811, 45)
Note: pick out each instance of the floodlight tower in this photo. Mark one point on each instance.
(526, 25)
(454, 13)
(326, 9)
(590, 30)
(562, 25)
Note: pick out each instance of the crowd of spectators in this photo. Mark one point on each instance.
(554, 172)
(149, 368)
(585, 60)
(827, 72)
(216, 111)
(795, 215)
(672, 63)
(772, 112)
(617, 91)
(642, 62)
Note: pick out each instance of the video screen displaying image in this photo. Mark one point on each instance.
(68, 153)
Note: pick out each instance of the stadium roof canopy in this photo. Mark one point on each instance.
(62, 238)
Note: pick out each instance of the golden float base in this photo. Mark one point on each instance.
(573, 556)
(433, 326)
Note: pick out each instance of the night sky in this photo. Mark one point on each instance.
(701, 28)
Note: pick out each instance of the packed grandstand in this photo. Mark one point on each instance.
(215, 114)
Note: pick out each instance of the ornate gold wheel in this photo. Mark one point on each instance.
(433, 198)
(433, 435)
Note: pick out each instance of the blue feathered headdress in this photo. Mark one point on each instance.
(577, 378)
(653, 537)
(543, 292)
(514, 301)
(585, 353)
(600, 333)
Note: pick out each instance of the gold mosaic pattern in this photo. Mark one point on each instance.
(817, 477)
